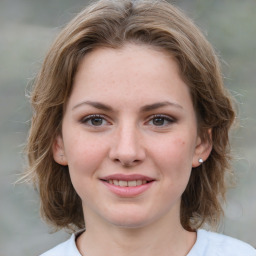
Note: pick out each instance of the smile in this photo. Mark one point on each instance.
(127, 186)
(130, 183)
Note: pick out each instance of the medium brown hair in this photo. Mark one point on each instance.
(113, 23)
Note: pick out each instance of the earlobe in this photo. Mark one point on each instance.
(58, 151)
(203, 150)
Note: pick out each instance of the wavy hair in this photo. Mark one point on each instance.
(113, 23)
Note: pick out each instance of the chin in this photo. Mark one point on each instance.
(130, 223)
(130, 219)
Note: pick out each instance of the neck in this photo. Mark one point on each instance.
(161, 238)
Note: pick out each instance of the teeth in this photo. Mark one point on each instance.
(130, 183)
(139, 182)
(123, 183)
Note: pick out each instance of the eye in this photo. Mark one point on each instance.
(161, 120)
(94, 120)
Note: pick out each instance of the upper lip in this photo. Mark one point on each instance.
(126, 177)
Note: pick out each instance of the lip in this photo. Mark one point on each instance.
(127, 192)
(127, 177)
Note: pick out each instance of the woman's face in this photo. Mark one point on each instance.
(129, 136)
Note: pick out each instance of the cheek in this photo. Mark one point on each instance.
(85, 156)
(176, 149)
(84, 153)
(174, 160)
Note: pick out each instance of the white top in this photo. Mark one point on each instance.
(207, 244)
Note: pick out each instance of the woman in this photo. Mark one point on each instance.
(129, 136)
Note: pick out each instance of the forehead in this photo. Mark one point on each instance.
(133, 71)
(130, 55)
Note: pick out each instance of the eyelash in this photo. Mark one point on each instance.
(165, 118)
(87, 119)
(90, 118)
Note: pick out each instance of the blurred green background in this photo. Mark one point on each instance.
(27, 28)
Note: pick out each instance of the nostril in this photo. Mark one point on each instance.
(127, 163)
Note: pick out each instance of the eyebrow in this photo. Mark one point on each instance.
(145, 108)
(95, 104)
(157, 105)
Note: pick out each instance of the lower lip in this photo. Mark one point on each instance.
(128, 191)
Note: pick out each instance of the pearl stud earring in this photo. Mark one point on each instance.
(200, 160)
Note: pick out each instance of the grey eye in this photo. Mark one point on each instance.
(96, 121)
(159, 121)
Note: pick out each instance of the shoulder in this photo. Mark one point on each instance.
(67, 248)
(213, 244)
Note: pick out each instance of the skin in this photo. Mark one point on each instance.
(127, 138)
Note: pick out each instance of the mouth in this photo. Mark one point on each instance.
(125, 183)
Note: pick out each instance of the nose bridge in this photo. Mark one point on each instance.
(127, 148)
(127, 138)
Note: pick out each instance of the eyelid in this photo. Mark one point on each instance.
(163, 116)
(87, 118)
(169, 118)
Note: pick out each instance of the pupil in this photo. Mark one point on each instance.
(158, 121)
(97, 121)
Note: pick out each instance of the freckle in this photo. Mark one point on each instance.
(180, 141)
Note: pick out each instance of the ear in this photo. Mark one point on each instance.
(58, 151)
(203, 149)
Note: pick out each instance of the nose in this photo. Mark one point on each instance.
(127, 148)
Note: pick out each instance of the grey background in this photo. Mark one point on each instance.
(27, 27)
